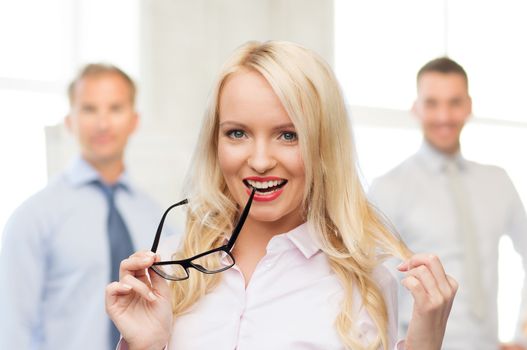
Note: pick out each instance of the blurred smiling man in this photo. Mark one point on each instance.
(64, 244)
(442, 203)
(102, 118)
(443, 105)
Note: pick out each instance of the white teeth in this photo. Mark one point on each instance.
(264, 184)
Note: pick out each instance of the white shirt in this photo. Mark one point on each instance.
(291, 302)
(415, 197)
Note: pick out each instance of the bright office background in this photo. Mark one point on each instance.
(379, 45)
(43, 44)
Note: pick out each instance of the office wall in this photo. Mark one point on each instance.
(182, 46)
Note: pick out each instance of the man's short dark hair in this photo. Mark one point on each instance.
(95, 69)
(443, 65)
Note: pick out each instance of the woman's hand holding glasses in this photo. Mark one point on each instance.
(140, 303)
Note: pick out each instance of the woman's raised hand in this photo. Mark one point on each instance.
(139, 304)
(433, 292)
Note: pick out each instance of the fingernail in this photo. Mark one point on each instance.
(151, 254)
(146, 260)
(152, 296)
(126, 286)
(402, 266)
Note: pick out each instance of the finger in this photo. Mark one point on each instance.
(159, 284)
(136, 265)
(427, 280)
(453, 283)
(416, 289)
(416, 260)
(434, 265)
(140, 288)
(404, 266)
(114, 290)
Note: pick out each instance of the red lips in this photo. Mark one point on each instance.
(262, 196)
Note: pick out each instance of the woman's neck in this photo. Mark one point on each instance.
(252, 243)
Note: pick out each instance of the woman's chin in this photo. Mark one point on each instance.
(272, 218)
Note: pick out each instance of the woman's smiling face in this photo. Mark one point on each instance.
(258, 148)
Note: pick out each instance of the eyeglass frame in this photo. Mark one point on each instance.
(187, 263)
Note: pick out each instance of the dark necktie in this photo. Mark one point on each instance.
(121, 246)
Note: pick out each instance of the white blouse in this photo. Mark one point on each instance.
(291, 302)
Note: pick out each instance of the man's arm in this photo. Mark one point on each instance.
(517, 230)
(22, 266)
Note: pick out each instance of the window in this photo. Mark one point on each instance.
(380, 45)
(43, 44)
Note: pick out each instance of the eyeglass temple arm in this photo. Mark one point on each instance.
(241, 221)
(160, 226)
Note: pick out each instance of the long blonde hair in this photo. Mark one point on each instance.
(350, 232)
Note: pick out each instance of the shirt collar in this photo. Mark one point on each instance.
(301, 238)
(304, 240)
(80, 173)
(436, 160)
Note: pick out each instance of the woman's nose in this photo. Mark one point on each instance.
(262, 159)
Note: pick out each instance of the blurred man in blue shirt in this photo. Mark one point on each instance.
(59, 250)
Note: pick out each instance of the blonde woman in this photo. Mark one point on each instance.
(305, 270)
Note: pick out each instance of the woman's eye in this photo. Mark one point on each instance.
(236, 134)
(289, 136)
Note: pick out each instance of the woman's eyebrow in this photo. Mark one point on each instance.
(229, 123)
(232, 123)
(284, 126)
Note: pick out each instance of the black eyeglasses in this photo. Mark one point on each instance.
(212, 261)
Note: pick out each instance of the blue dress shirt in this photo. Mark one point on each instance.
(55, 261)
